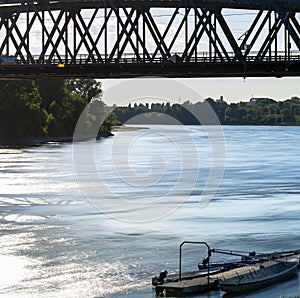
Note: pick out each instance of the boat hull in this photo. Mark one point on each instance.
(260, 278)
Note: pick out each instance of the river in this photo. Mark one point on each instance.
(69, 230)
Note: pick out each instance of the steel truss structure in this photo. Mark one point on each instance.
(128, 38)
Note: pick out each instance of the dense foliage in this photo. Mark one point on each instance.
(21, 113)
(262, 111)
(45, 109)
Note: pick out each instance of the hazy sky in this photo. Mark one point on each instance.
(232, 89)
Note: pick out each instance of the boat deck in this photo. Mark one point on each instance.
(200, 284)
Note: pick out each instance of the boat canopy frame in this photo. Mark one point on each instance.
(207, 258)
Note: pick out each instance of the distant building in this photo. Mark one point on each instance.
(253, 100)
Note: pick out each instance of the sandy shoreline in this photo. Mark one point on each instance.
(126, 128)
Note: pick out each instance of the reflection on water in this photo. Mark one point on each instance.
(54, 243)
(16, 270)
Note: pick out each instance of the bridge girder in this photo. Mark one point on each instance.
(123, 38)
(287, 5)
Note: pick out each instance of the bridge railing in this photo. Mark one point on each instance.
(177, 58)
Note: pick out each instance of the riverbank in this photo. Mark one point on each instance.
(31, 142)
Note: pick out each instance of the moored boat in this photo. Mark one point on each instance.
(267, 274)
(254, 271)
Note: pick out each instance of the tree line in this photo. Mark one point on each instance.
(33, 110)
(43, 109)
(262, 111)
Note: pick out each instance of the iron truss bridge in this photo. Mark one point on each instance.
(129, 38)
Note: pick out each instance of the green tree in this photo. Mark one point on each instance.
(20, 111)
(51, 90)
(86, 88)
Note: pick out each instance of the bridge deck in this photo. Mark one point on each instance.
(131, 70)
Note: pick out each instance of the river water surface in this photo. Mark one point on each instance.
(60, 237)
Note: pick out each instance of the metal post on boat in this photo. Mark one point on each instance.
(208, 256)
